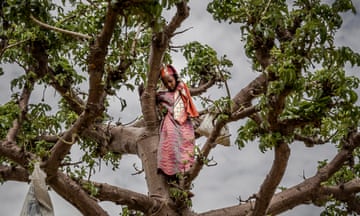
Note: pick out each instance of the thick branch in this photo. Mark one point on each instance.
(38, 52)
(120, 196)
(350, 187)
(242, 113)
(72, 192)
(346, 193)
(96, 61)
(13, 152)
(270, 184)
(10, 173)
(124, 140)
(248, 93)
(182, 13)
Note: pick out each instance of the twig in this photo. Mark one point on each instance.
(265, 9)
(71, 164)
(138, 171)
(11, 46)
(180, 32)
(226, 86)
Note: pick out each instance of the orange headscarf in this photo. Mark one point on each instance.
(167, 70)
(190, 106)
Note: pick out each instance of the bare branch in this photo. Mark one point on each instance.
(71, 33)
(182, 13)
(352, 186)
(203, 88)
(138, 171)
(133, 45)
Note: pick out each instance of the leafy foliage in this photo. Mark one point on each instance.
(8, 113)
(306, 69)
(203, 63)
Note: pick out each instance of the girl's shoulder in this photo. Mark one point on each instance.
(180, 85)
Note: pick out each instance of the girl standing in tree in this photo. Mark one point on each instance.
(176, 147)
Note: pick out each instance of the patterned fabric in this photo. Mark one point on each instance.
(180, 114)
(176, 147)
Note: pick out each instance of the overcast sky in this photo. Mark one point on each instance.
(238, 173)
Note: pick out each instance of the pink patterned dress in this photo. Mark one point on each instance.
(176, 147)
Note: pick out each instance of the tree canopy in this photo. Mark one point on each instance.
(91, 52)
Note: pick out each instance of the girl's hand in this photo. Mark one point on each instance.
(195, 121)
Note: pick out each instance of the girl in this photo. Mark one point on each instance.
(176, 147)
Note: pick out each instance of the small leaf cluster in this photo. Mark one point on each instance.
(129, 212)
(336, 208)
(204, 64)
(38, 121)
(179, 195)
(8, 113)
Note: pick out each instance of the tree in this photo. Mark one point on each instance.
(302, 94)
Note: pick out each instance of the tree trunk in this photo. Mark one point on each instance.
(156, 182)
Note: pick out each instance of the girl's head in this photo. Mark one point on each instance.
(169, 77)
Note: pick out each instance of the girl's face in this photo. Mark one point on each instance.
(169, 82)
